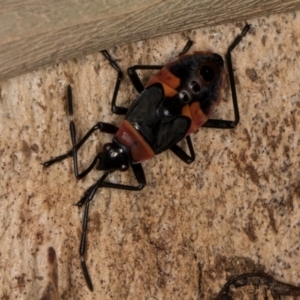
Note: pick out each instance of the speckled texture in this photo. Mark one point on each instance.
(235, 209)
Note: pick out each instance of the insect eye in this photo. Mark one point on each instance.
(207, 73)
(195, 87)
(183, 96)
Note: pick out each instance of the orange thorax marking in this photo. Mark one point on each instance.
(169, 82)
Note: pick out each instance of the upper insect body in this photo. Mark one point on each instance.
(176, 101)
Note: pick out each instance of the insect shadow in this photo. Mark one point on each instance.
(178, 99)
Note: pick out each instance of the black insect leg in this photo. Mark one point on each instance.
(182, 154)
(215, 123)
(132, 73)
(103, 127)
(119, 110)
(135, 79)
(187, 47)
(138, 174)
(88, 197)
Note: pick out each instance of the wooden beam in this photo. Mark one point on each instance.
(34, 35)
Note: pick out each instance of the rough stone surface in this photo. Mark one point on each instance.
(234, 210)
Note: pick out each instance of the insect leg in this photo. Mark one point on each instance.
(103, 127)
(135, 79)
(187, 47)
(88, 197)
(119, 110)
(139, 175)
(187, 158)
(215, 123)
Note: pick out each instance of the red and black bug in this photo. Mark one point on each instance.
(178, 100)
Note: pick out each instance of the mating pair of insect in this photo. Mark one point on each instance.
(176, 101)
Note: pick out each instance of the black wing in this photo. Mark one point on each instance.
(147, 115)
